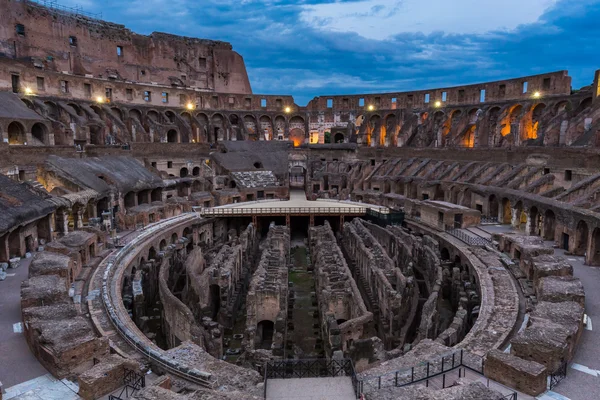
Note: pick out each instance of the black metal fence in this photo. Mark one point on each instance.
(315, 368)
(423, 371)
(467, 238)
(489, 220)
(132, 382)
(558, 376)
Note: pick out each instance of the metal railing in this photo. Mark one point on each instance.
(489, 220)
(468, 239)
(153, 355)
(310, 368)
(558, 376)
(132, 382)
(252, 211)
(424, 371)
(77, 10)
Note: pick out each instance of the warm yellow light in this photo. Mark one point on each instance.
(190, 106)
(288, 109)
(100, 99)
(438, 103)
(537, 95)
(371, 108)
(28, 90)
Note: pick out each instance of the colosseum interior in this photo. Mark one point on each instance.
(166, 233)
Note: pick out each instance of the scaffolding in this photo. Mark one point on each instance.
(65, 10)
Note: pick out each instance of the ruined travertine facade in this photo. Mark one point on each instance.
(122, 158)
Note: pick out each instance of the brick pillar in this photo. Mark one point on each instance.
(78, 217)
(62, 221)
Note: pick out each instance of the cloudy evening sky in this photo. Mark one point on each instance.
(319, 47)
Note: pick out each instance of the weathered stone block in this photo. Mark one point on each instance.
(560, 288)
(525, 376)
(544, 342)
(104, 377)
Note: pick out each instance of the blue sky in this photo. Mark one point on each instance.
(322, 47)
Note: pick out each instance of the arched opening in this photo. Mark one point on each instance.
(264, 334)
(117, 112)
(170, 116)
(338, 138)
(594, 258)
(196, 171)
(16, 134)
(196, 186)
(493, 207)
(135, 114)
(297, 137)
(152, 253)
(153, 116)
(52, 110)
(174, 238)
(534, 221)
(183, 172)
(156, 194)
(549, 225)
(250, 125)
(506, 211)
(266, 127)
(96, 136)
(130, 199)
(258, 165)
(162, 245)
(445, 254)
(172, 136)
(39, 133)
(234, 120)
(581, 238)
(215, 301)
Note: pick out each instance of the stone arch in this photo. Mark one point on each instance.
(493, 206)
(170, 116)
(549, 225)
(16, 133)
(29, 104)
(174, 238)
(473, 115)
(183, 172)
(266, 128)
(134, 113)
(234, 120)
(265, 331)
(534, 221)
(153, 115)
(506, 211)
(531, 131)
(152, 253)
(297, 137)
(391, 130)
(196, 171)
(118, 113)
(584, 104)
(338, 138)
(444, 254)
(52, 110)
(279, 127)
(77, 109)
(39, 132)
(468, 139)
(581, 238)
(374, 130)
(172, 136)
(493, 128)
(203, 121)
(162, 246)
(218, 132)
(251, 127)
(97, 110)
(562, 106)
(511, 124)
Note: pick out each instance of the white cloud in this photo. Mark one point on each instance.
(380, 19)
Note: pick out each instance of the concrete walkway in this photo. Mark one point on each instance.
(298, 199)
(583, 376)
(338, 388)
(17, 363)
